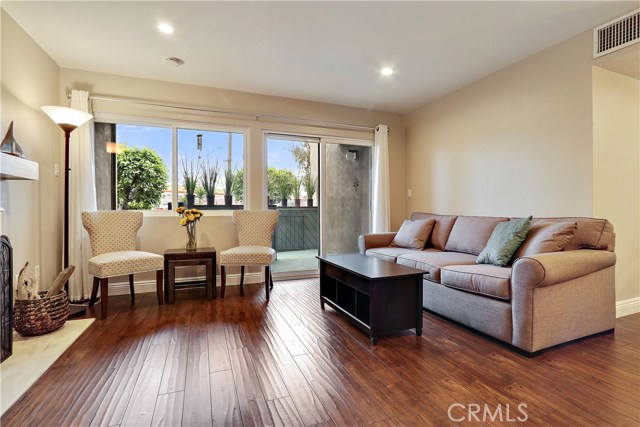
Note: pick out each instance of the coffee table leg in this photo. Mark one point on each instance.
(419, 311)
(374, 340)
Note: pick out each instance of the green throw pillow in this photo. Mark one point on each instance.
(504, 242)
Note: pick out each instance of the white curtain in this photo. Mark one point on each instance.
(82, 197)
(381, 204)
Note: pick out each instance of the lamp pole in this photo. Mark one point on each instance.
(65, 258)
(75, 310)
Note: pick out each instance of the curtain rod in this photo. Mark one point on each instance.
(254, 116)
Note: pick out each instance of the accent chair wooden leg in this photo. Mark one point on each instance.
(159, 278)
(270, 279)
(94, 291)
(104, 297)
(223, 281)
(131, 290)
(267, 275)
(242, 280)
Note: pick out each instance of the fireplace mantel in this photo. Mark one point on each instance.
(12, 167)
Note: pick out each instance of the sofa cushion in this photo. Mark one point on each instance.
(441, 228)
(547, 237)
(484, 279)
(388, 253)
(504, 241)
(592, 233)
(413, 234)
(432, 260)
(471, 233)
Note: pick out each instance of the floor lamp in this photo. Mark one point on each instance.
(69, 120)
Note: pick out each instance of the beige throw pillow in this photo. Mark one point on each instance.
(546, 237)
(413, 234)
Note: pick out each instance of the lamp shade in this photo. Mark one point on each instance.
(66, 116)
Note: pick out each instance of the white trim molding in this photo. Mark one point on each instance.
(627, 307)
(145, 286)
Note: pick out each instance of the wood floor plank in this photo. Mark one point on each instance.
(175, 370)
(168, 410)
(253, 406)
(217, 340)
(271, 382)
(310, 408)
(224, 402)
(287, 335)
(336, 388)
(197, 389)
(116, 399)
(284, 413)
(141, 406)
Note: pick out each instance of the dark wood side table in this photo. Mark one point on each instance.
(377, 296)
(182, 258)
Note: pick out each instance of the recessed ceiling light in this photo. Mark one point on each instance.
(386, 71)
(165, 28)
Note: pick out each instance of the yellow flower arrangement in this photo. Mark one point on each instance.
(188, 215)
(188, 219)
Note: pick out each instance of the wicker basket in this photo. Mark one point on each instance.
(41, 316)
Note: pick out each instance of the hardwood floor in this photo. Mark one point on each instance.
(243, 361)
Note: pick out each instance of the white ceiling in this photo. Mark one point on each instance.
(322, 51)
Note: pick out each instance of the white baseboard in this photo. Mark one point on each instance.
(143, 286)
(627, 307)
(293, 275)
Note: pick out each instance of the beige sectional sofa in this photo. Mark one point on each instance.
(537, 301)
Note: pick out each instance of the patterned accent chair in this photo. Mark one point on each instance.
(113, 243)
(255, 232)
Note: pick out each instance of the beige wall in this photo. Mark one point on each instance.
(616, 174)
(32, 217)
(517, 142)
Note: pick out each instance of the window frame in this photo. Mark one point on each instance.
(174, 125)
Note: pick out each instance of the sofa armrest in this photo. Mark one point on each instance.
(557, 267)
(374, 240)
(560, 296)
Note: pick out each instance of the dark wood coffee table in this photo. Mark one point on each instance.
(379, 297)
(181, 258)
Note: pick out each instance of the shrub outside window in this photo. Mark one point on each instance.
(143, 167)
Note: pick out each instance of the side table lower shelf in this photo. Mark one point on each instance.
(182, 258)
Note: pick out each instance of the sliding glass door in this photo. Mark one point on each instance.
(322, 190)
(292, 178)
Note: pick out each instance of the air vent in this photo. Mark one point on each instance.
(616, 34)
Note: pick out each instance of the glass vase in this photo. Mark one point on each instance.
(192, 243)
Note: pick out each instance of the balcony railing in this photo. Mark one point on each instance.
(297, 229)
